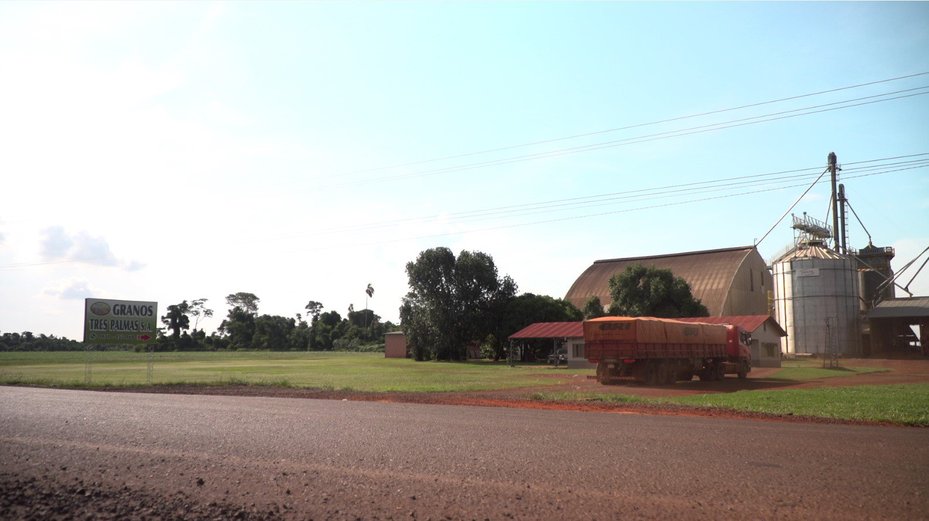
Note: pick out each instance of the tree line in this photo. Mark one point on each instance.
(458, 307)
(244, 329)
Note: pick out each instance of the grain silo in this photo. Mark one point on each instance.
(816, 300)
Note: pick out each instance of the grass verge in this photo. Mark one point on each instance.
(900, 404)
(897, 404)
(803, 370)
(323, 370)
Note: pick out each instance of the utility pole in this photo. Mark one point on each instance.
(842, 221)
(835, 199)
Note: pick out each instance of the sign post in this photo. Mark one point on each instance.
(120, 322)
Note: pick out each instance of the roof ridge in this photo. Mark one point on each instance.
(683, 254)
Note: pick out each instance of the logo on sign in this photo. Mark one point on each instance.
(100, 309)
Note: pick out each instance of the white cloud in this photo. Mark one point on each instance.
(58, 244)
(70, 290)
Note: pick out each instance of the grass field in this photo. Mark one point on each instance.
(901, 404)
(802, 370)
(325, 370)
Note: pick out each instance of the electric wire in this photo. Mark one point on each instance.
(753, 184)
(670, 134)
(586, 216)
(633, 126)
(582, 201)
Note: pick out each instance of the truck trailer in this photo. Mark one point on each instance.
(661, 351)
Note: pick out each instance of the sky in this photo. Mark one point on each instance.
(162, 151)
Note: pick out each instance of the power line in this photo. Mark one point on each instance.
(614, 212)
(700, 129)
(633, 126)
(612, 196)
(753, 184)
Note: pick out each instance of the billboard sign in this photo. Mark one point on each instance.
(119, 321)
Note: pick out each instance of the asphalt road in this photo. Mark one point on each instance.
(323, 459)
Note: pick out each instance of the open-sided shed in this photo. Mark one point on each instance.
(569, 335)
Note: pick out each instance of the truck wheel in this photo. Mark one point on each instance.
(720, 371)
(667, 374)
(651, 374)
(743, 371)
(603, 373)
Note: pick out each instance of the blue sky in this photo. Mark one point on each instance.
(169, 151)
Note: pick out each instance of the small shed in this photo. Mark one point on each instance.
(766, 335)
(395, 345)
(567, 335)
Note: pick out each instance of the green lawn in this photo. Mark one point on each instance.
(903, 404)
(327, 370)
(802, 370)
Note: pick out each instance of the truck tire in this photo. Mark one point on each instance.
(743, 371)
(720, 371)
(603, 373)
(667, 374)
(651, 373)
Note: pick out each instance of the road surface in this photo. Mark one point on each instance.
(327, 459)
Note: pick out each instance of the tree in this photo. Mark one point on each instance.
(240, 321)
(322, 333)
(176, 318)
(272, 332)
(198, 309)
(247, 301)
(593, 308)
(527, 309)
(314, 308)
(654, 292)
(452, 302)
(239, 327)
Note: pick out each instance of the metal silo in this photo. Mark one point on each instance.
(816, 300)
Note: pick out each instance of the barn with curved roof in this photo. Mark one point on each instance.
(729, 281)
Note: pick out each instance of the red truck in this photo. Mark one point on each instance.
(661, 351)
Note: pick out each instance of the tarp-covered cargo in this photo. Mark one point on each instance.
(648, 330)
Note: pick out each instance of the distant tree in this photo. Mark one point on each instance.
(27, 341)
(198, 309)
(363, 318)
(247, 301)
(452, 302)
(527, 309)
(176, 318)
(314, 308)
(322, 333)
(593, 308)
(273, 332)
(239, 325)
(641, 291)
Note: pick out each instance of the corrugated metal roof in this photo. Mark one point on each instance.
(811, 251)
(912, 307)
(551, 330)
(709, 273)
(746, 322)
